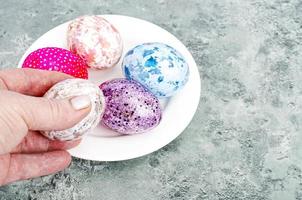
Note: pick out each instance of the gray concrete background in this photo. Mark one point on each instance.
(245, 140)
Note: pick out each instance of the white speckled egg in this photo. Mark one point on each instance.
(76, 87)
(158, 67)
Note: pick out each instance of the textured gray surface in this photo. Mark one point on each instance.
(245, 139)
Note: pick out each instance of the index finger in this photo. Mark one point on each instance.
(35, 142)
(32, 82)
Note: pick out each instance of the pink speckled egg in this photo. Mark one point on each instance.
(95, 40)
(57, 59)
(130, 108)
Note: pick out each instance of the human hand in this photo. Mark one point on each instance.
(24, 152)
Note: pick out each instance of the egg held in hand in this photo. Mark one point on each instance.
(57, 59)
(130, 108)
(95, 40)
(76, 87)
(158, 67)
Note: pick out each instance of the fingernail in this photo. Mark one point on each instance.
(80, 102)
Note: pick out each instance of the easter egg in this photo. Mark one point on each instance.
(158, 67)
(77, 87)
(130, 108)
(57, 59)
(95, 40)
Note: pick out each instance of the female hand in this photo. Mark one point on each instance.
(24, 152)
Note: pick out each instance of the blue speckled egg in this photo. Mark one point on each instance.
(158, 67)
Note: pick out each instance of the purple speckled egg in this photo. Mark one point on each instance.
(130, 108)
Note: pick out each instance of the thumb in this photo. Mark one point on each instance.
(44, 114)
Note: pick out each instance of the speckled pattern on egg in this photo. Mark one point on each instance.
(130, 108)
(159, 67)
(57, 59)
(96, 40)
(76, 87)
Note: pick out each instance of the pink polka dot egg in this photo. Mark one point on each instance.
(57, 59)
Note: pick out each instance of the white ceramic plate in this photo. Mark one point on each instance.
(178, 111)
